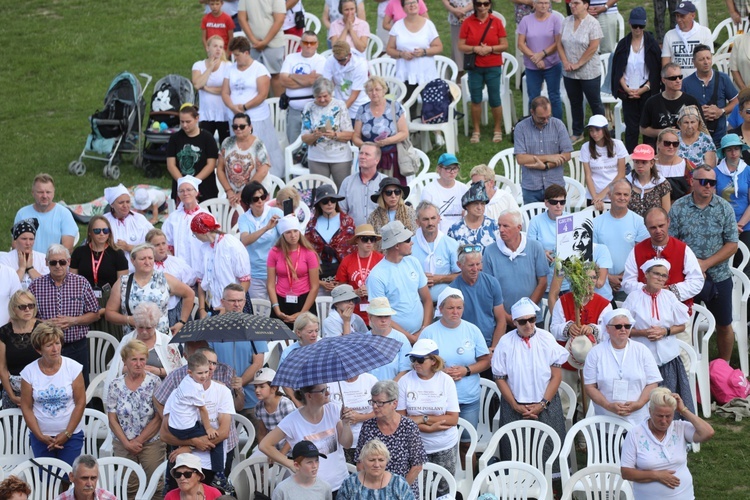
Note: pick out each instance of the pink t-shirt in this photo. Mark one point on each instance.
(302, 260)
(397, 13)
(209, 492)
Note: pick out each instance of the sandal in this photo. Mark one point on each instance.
(475, 136)
(497, 137)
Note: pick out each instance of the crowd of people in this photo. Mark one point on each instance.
(459, 278)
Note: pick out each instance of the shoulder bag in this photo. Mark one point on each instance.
(470, 60)
(408, 160)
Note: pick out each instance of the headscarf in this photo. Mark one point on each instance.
(203, 223)
(692, 110)
(29, 225)
(112, 193)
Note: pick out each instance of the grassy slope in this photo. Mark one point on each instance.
(60, 58)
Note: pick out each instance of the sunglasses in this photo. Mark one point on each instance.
(671, 144)
(706, 182)
(556, 202)
(326, 201)
(241, 126)
(26, 307)
(626, 326)
(673, 78)
(391, 192)
(256, 199)
(186, 474)
(61, 262)
(380, 404)
(343, 60)
(367, 239)
(450, 168)
(638, 26)
(407, 240)
(417, 360)
(309, 44)
(523, 321)
(471, 249)
(100, 230)
(482, 4)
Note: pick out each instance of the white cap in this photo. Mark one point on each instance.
(424, 347)
(524, 307)
(579, 348)
(141, 199)
(598, 121)
(112, 193)
(655, 262)
(193, 181)
(288, 223)
(618, 312)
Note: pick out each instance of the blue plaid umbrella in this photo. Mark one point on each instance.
(334, 359)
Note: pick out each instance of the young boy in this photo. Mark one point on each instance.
(218, 23)
(150, 199)
(186, 406)
(304, 483)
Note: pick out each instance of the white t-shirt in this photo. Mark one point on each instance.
(243, 86)
(212, 106)
(420, 69)
(296, 64)
(182, 405)
(10, 259)
(347, 79)
(224, 262)
(53, 402)
(9, 284)
(448, 201)
(435, 396)
(132, 230)
(679, 46)
(356, 396)
(603, 168)
(325, 437)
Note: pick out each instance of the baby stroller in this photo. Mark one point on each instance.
(116, 129)
(170, 93)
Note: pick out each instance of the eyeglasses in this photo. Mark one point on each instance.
(326, 201)
(309, 44)
(100, 230)
(54, 263)
(367, 239)
(671, 144)
(626, 326)
(391, 192)
(256, 199)
(320, 391)
(380, 404)
(638, 26)
(673, 78)
(482, 4)
(706, 182)
(186, 474)
(556, 202)
(471, 249)
(417, 360)
(450, 168)
(523, 321)
(659, 275)
(26, 307)
(241, 126)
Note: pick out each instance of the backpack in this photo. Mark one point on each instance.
(436, 99)
(727, 383)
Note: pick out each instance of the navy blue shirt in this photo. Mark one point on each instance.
(704, 93)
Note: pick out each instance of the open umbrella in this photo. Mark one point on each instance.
(234, 327)
(334, 359)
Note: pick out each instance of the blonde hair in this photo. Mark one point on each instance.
(138, 249)
(661, 396)
(286, 193)
(375, 80)
(341, 49)
(223, 52)
(135, 346)
(483, 170)
(16, 298)
(374, 447)
(45, 332)
(305, 319)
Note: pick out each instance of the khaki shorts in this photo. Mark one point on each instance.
(270, 57)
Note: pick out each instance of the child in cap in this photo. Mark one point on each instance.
(272, 405)
(304, 483)
(149, 199)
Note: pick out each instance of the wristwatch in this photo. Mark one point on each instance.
(180, 321)
(669, 331)
(468, 371)
(544, 403)
(425, 418)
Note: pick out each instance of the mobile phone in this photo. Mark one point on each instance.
(288, 206)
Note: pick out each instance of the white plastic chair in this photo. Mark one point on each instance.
(576, 167)
(97, 438)
(116, 472)
(14, 439)
(374, 47)
(256, 474)
(382, 66)
(702, 327)
(273, 356)
(465, 475)
(96, 388)
(576, 194)
(528, 439)
(730, 27)
(323, 305)
(740, 293)
(726, 47)
(222, 210)
(447, 69)
(291, 44)
(510, 481)
(692, 378)
(429, 479)
(312, 22)
(510, 68)
(292, 169)
(510, 167)
(396, 89)
(246, 435)
(278, 118)
(721, 62)
(417, 185)
(603, 435)
(424, 165)
(261, 307)
(531, 210)
(310, 181)
(502, 182)
(488, 423)
(46, 481)
(307, 215)
(102, 346)
(448, 128)
(567, 392)
(598, 481)
(745, 252)
(153, 482)
(273, 184)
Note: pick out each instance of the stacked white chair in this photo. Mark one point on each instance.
(702, 327)
(598, 481)
(97, 438)
(510, 481)
(429, 479)
(465, 474)
(116, 472)
(14, 439)
(488, 423)
(45, 477)
(246, 434)
(256, 474)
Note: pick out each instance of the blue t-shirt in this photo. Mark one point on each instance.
(445, 260)
(725, 189)
(53, 225)
(327, 228)
(399, 364)
(479, 302)
(400, 283)
(459, 346)
(239, 355)
(258, 251)
(694, 86)
(604, 261)
(544, 230)
(619, 236)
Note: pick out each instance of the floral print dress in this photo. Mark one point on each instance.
(134, 409)
(156, 291)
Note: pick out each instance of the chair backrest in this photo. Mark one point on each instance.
(703, 326)
(576, 194)
(310, 181)
(745, 252)
(382, 66)
(312, 22)
(221, 209)
(96, 388)
(730, 27)
(273, 184)
(396, 88)
(273, 356)
(97, 439)
(46, 481)
(429, 479)
(501, 17)
(307, 215)
(598, 481)
(278, 118)
(261, 307)
(566, 392)
(14, 437)
(102, 347)
(115, 473)
(323, 304)
(488, 423)
(153, 482)
(510, 481)
(447, 69)
(510, 67)
(465, 474)
(502, 182)
(424, 162)
(418, 184)
(246, 434)
(576, 167)
(531, 210)
(510, 167)
(291, 44)
(721, 61)
(256, 474)
(374, 47)
(603, 435)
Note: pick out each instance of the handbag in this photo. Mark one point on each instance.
(408, 160)
(470, 60)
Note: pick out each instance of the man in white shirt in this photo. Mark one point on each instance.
(436, 251)
(298, 73)
(679, 42)
(357, 188)
(446, 193)
(500, 199)
(349, 75)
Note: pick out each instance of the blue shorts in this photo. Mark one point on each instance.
(721, 305)
(470, 413)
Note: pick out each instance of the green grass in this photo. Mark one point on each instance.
(59, 58)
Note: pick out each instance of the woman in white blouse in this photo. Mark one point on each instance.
(619, 374)
(603, 160)
(208, 78)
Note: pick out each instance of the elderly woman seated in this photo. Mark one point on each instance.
(374, 480)
(342, 320)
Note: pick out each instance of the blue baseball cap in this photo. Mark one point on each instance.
(447, 159)
(638, 16)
